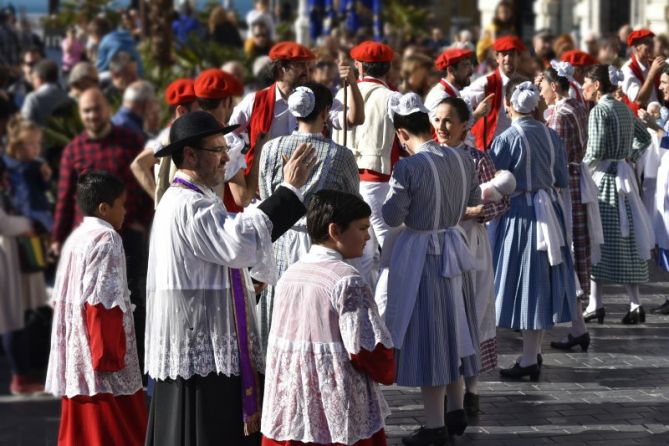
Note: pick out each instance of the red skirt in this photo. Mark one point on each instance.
(378, 439)
(102, 420)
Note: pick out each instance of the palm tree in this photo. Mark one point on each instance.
(161, 12)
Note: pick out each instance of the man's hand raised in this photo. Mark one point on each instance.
(297, 169)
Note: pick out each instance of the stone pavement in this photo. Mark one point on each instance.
(615, 394)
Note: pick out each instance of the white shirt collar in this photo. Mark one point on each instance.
(94, 222)
(641, 65)
(278, 96)
(505, 78)
(320, 252)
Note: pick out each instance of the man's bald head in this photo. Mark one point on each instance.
(95, 113)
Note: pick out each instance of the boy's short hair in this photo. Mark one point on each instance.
(331, 206)
(95, 187)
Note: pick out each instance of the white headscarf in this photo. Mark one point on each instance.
(405, 105)
(615, 76)
(525, 97)
(564, 69)
(301, 102)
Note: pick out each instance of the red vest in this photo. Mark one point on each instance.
(488, 124)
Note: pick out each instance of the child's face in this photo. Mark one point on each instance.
(351, 242)
(654, 111)
(31, 146)
(114, 214)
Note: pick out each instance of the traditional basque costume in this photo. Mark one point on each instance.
(93, 364)
(534, 271)
(335, 169)
(430, 310)
(328, 348)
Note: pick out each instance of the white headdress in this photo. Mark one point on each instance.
(301, 102)
(405, 105)
(525, 97)
(564, 69)
(615, 76)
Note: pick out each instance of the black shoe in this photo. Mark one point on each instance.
(636, 316)
(583, 341)
(518, 372)
(598, 314)
(456, 422)
(662, 309)
(471, 404)
(426, 437)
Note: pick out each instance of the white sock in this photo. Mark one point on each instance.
(578, 324)
(596, 300)
(531, 340)
(471, 385)
(633, 294)
(456, 395)
(433, 405)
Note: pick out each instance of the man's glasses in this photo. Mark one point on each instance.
(217, 149)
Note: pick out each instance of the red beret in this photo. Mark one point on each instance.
(452, 56)
(509, 43)
(290, 51)
(217, 84)
(639, 34)
(370, 51)
(180, 92)
(578, 58)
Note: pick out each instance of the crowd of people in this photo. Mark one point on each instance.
(253, 265)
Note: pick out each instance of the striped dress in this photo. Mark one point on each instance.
(429, 354)
(615, 134)
(530, 293)
(569, 118)
(335, 169)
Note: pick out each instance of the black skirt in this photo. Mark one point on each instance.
(200, 411)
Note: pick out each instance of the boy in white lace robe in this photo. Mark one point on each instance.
(93, 364)
(328, 346)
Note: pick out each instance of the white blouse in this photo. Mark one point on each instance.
(92, 271)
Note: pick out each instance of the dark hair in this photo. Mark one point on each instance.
(332, 206)
(99, 26)
(417, 123)
(209, 104)
(665, 70)
(511, 86)
(30, 50)
(461, 108)
(552, 76)
(323, 100)
(375, 69)
(120, 61)
(47, 70)
(95, 187)
(601, 73)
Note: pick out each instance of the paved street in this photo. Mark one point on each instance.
(616, 394)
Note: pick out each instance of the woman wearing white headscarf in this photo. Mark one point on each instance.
(430, 310)
(534, 271)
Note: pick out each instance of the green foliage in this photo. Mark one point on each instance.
(63, 127)
(407, 18)
(72, 12)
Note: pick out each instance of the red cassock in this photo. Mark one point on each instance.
(104, 419)
(380, 366)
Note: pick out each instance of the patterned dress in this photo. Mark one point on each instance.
(614, 134)
(335, 169)
(533, 290)
(569, 119)
(443, 316)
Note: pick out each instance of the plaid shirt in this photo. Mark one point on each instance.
(569, 119)
(485, 169)
(113, 153)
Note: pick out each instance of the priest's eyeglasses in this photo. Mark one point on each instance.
(217, 149)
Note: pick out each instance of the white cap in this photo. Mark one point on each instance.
(525, 97)
(301, 102)
(405, 105)
(564, 69)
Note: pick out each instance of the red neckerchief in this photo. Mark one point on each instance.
(493, 85)
(262, 114)
(448, 88)
(636, 69)
(632, 105)
(579, 96)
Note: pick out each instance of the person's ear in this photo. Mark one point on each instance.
(334, 232)
(402, 135)
(103, 209)
(181, 110)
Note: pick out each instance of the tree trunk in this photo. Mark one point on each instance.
(161, 12)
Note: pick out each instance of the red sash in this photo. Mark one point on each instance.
(632, 105)
(493, 85)
(448, 89)
(372, 175)
(636, 69)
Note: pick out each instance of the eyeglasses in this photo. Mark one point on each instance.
(217, 149)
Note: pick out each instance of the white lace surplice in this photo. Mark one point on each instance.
(91, 271)
(323, 313)
(190, 325)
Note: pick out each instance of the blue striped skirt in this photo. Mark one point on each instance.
(429, 355)
(530, 294)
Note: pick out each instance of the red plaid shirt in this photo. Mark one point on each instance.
(569, 118)
(113, 153)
